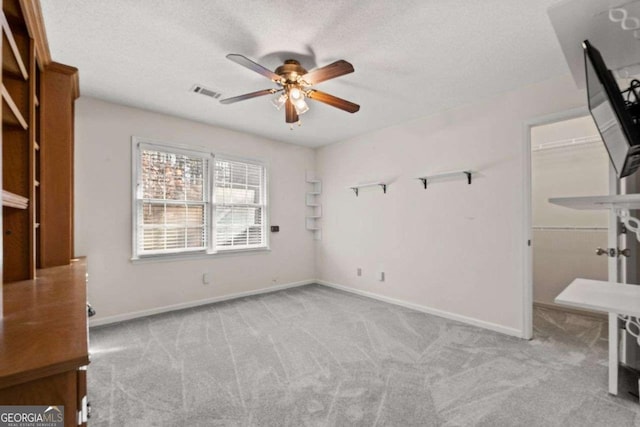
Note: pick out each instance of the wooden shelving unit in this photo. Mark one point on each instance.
(47, 306)
(17, 150)
(37, 146)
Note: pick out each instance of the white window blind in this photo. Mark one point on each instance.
(240, 204)
(190, 201)
(173, 201)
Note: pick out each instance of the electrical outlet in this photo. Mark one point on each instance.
(381, 277)
(359, 271)
(205, 279)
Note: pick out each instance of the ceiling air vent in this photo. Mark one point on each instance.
(204, 91)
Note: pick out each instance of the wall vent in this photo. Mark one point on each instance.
(205, 91)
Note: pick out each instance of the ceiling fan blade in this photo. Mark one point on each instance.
(334, 101)
(248, 96)
(290, 110)
(254, 66)
(331, 71)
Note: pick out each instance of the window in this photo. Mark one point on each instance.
(239, 204)
(189, 201)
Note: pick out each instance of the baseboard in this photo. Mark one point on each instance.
(174, 307)
(558, 307)
(440, 313)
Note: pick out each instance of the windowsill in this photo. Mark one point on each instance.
(197, 255)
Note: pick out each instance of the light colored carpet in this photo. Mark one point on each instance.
(315, 356)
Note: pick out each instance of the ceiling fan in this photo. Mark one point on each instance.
(295, 84)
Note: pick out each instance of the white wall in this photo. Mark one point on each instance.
(454, 247)
(582, 170)
(117, 287)
(561, 253)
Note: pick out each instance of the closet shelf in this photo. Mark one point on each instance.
(14, 117)
(13, 200)
(12, 62)
(356, 188)
(621, 201)
(428, 178)
(571, 142)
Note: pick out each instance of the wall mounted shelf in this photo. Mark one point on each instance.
(356, 188)
(619, 204)
(599, 295)
(616, 298)
(313, 203)
(621, 201)
(429, 178)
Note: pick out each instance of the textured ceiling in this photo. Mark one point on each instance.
(412, 58)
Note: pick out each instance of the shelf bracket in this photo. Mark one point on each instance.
(355, 190)
(384, 188)
(424, 182)
(631, 223)
(468, 173)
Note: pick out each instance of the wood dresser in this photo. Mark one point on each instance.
(44, 341)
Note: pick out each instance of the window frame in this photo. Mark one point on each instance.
(264, 205)
(137, 145)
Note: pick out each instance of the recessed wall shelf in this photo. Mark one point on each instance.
(312, 202)
(429, 178)
(356, 188)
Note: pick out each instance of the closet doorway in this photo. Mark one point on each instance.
(568, 159)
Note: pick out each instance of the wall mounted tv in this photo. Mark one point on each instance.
(616, 113)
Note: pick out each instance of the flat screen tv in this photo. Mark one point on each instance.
(611, 113)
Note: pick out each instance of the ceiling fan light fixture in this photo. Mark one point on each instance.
(301, 106)
(295, 84)
(279, 101)
(295, 93)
